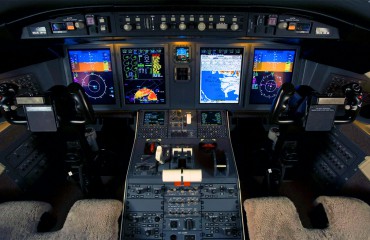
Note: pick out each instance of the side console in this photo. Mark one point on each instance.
(338, 161)
(24, 159)
(182, 182)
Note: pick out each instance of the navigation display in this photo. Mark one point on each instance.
(271, 68)
(220, 71)
(92, 69)
(154, 118)
(211, 118)
(143, 75)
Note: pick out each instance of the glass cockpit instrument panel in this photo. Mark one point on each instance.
(271, 68)
(92, 69)
(220, 74)
(143, 75)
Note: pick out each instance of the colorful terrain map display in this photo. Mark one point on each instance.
(143, 75)
(220, 75)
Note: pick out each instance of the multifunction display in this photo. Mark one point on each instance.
(271, 68)
(211, 118)
(153, 118)
(143, 75)
(92, 69)
(220, 72)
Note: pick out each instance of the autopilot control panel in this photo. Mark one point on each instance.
(182, 182)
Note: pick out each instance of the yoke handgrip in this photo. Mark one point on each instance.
(82, 105)
(280, 103)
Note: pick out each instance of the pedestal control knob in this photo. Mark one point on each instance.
(163, 26)
(234, 26)
(127, 27)
(182, 26)
(201, 26)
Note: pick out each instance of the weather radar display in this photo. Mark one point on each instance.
(271, 68)
(220, 72)
(92, 69)
(143, 75)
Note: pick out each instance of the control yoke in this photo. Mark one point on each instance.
(83, 107)
(63, 105)
(280, 104)
(8, 106)
(303, 105)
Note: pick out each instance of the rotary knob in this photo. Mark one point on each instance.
(79, 25)
(283, 25)
(182, 26)
(201, 26)
(163, 26)
(234, 26)
(127, 27)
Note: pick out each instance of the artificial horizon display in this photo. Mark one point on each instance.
(92, 69)
(271, 68)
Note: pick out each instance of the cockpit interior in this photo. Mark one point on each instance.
(185, 120)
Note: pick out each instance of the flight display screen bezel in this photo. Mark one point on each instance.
(219, 53)
(149, 90)
(111, 85)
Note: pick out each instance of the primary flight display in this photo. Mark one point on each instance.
(271, 68)
(92, 69)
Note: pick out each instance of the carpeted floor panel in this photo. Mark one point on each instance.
(20, 219)
(274, 218)
(277, 218)
(88, 219)
(349, 218)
